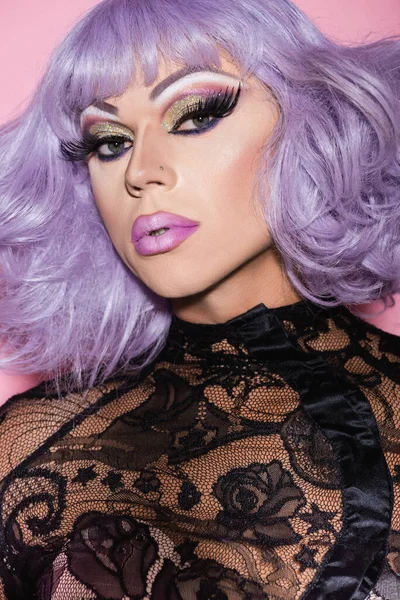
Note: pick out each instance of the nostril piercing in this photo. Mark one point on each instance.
(162, 168)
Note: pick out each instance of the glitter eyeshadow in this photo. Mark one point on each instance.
(107, 129)
(179, 108)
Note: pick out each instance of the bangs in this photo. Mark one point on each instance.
(121, 40)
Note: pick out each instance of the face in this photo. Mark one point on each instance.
(172, 169)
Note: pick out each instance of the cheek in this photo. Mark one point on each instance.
(240, 151)
(104, 187)
(101, 186)
(231, 178)
(238, 222)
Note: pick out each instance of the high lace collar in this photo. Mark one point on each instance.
(256, 316)
(258, 326)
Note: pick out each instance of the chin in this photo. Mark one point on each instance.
(179, 289)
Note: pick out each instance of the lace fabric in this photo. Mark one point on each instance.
(256, 459)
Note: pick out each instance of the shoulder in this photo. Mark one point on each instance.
(366, 357)
(373, 351)
(35, 419)
(337, 331)
(370, 360)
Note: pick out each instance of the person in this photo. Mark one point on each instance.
(193, 197)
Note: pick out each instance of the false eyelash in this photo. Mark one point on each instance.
(78, 150)
(217, 105)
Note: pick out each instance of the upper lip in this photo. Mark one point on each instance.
(145, 224)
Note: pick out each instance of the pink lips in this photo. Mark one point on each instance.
(178, 229)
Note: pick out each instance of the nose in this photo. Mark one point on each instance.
(149, 166)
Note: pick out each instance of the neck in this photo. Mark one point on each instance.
(261, 281)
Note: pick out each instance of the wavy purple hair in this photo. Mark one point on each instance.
(68, 303)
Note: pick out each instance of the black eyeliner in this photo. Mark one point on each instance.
(217, 105)
(78, 150)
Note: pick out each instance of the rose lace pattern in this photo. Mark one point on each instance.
(207, 476)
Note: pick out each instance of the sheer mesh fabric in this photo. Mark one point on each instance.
(204, 478)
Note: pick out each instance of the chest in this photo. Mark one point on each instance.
(220, 480)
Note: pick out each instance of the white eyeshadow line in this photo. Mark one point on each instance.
(201, 77)
(93, 111)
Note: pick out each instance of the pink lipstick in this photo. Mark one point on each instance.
(161, 232)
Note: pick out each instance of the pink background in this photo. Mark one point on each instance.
(30, 30)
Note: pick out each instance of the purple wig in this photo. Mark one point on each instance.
(68, 303)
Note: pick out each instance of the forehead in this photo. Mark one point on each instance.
(167, 67)
(171, 73)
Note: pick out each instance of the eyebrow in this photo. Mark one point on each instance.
(105, 107)
(160, 87)
(164, 84)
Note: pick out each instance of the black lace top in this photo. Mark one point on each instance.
(257, 459)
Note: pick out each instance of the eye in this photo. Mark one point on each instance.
(206, 112)
(105, 148)
(113, 148)
(200, 122)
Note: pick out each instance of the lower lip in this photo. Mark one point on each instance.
(157, 244)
